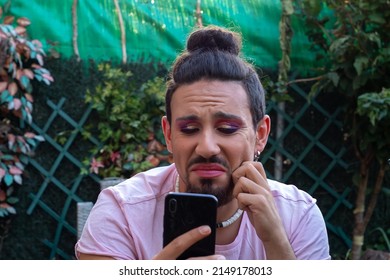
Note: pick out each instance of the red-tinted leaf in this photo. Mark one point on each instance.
(19, 73)
(29, 135)
(18, 114)
(20, 30)
(11, 140)
(48, 77)
(8, 20)
(23, 21)
(153, 160)
(28, 73)
(20, 139)
(4, 205)
(15, 171)
(36, 66)
(29, 97)
(95, 165)
(2, 195)
(13, 88)
(37, 43)
(114, 156)
(3, 86)
(40, 59)
(17, 104)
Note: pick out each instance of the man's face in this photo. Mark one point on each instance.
(211, 135)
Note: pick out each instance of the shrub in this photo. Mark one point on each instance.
(127, 124)
(21, 61)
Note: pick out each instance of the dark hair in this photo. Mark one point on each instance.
(213, 53)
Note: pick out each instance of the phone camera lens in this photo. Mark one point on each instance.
(172, 205)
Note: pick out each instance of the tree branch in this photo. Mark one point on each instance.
(123, 32)
(306, 80)
(75, 27)
(375, 193)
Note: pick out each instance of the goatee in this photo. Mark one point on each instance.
(224, 194)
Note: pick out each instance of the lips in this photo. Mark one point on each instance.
(208, 170)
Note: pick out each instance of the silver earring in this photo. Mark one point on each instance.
(256, 156)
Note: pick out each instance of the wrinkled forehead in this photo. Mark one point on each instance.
(211, 97)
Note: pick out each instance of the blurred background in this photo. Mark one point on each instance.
(82, 87)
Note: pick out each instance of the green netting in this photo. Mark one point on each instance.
(155, 30)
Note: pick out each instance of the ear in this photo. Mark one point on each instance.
(262, 132)
(166, 127)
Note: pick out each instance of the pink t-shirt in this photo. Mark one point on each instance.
(127, 221)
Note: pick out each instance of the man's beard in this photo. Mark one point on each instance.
(224, 194)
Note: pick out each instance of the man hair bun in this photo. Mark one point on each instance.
(214, 38)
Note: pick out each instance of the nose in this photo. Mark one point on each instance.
(207, 145)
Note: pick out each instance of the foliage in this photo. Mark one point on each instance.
(373, 111)
(351, 38)
(128, 124)
(383, 239)
(21, 61)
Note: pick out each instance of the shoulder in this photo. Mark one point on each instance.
(143, 186)
(290, 193)
(302, 220)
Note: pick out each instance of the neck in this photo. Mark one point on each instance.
(224, 212)
(227, 234)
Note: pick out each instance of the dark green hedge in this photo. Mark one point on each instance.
(27, 233)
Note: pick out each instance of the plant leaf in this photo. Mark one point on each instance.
(361, 62)
(8, 179)
(3, 86)
(17, 104)
(23, 21)
(18, 179)
(15, 170)
(8, 20)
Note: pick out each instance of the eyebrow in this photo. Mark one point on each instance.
(187, 118)
(218, 115)
(222, 115)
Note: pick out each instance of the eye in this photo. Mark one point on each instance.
(228, 128)
(189, 129)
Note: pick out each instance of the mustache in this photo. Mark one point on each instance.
(213, 159)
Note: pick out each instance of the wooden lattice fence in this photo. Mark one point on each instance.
(311, 146)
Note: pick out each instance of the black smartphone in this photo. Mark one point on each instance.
(185, 211)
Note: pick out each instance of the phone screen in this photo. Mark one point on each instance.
(185, 211)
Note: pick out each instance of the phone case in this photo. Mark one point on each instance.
(185, 211)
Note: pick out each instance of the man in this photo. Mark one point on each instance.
(214, 127)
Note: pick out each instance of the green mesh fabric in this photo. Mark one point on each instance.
(155, 30)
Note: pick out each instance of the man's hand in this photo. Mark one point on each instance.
(255, 197)
(174, 249)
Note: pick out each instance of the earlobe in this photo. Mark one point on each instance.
(262, 132)
(166, 128)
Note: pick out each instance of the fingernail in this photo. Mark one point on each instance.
(220, 257)
(204, 229)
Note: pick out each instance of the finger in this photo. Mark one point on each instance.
(250, 181)
(250, 202)
(260, 168)
(245, 185)
(244, 201)
(181, 243)
(251, 170)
